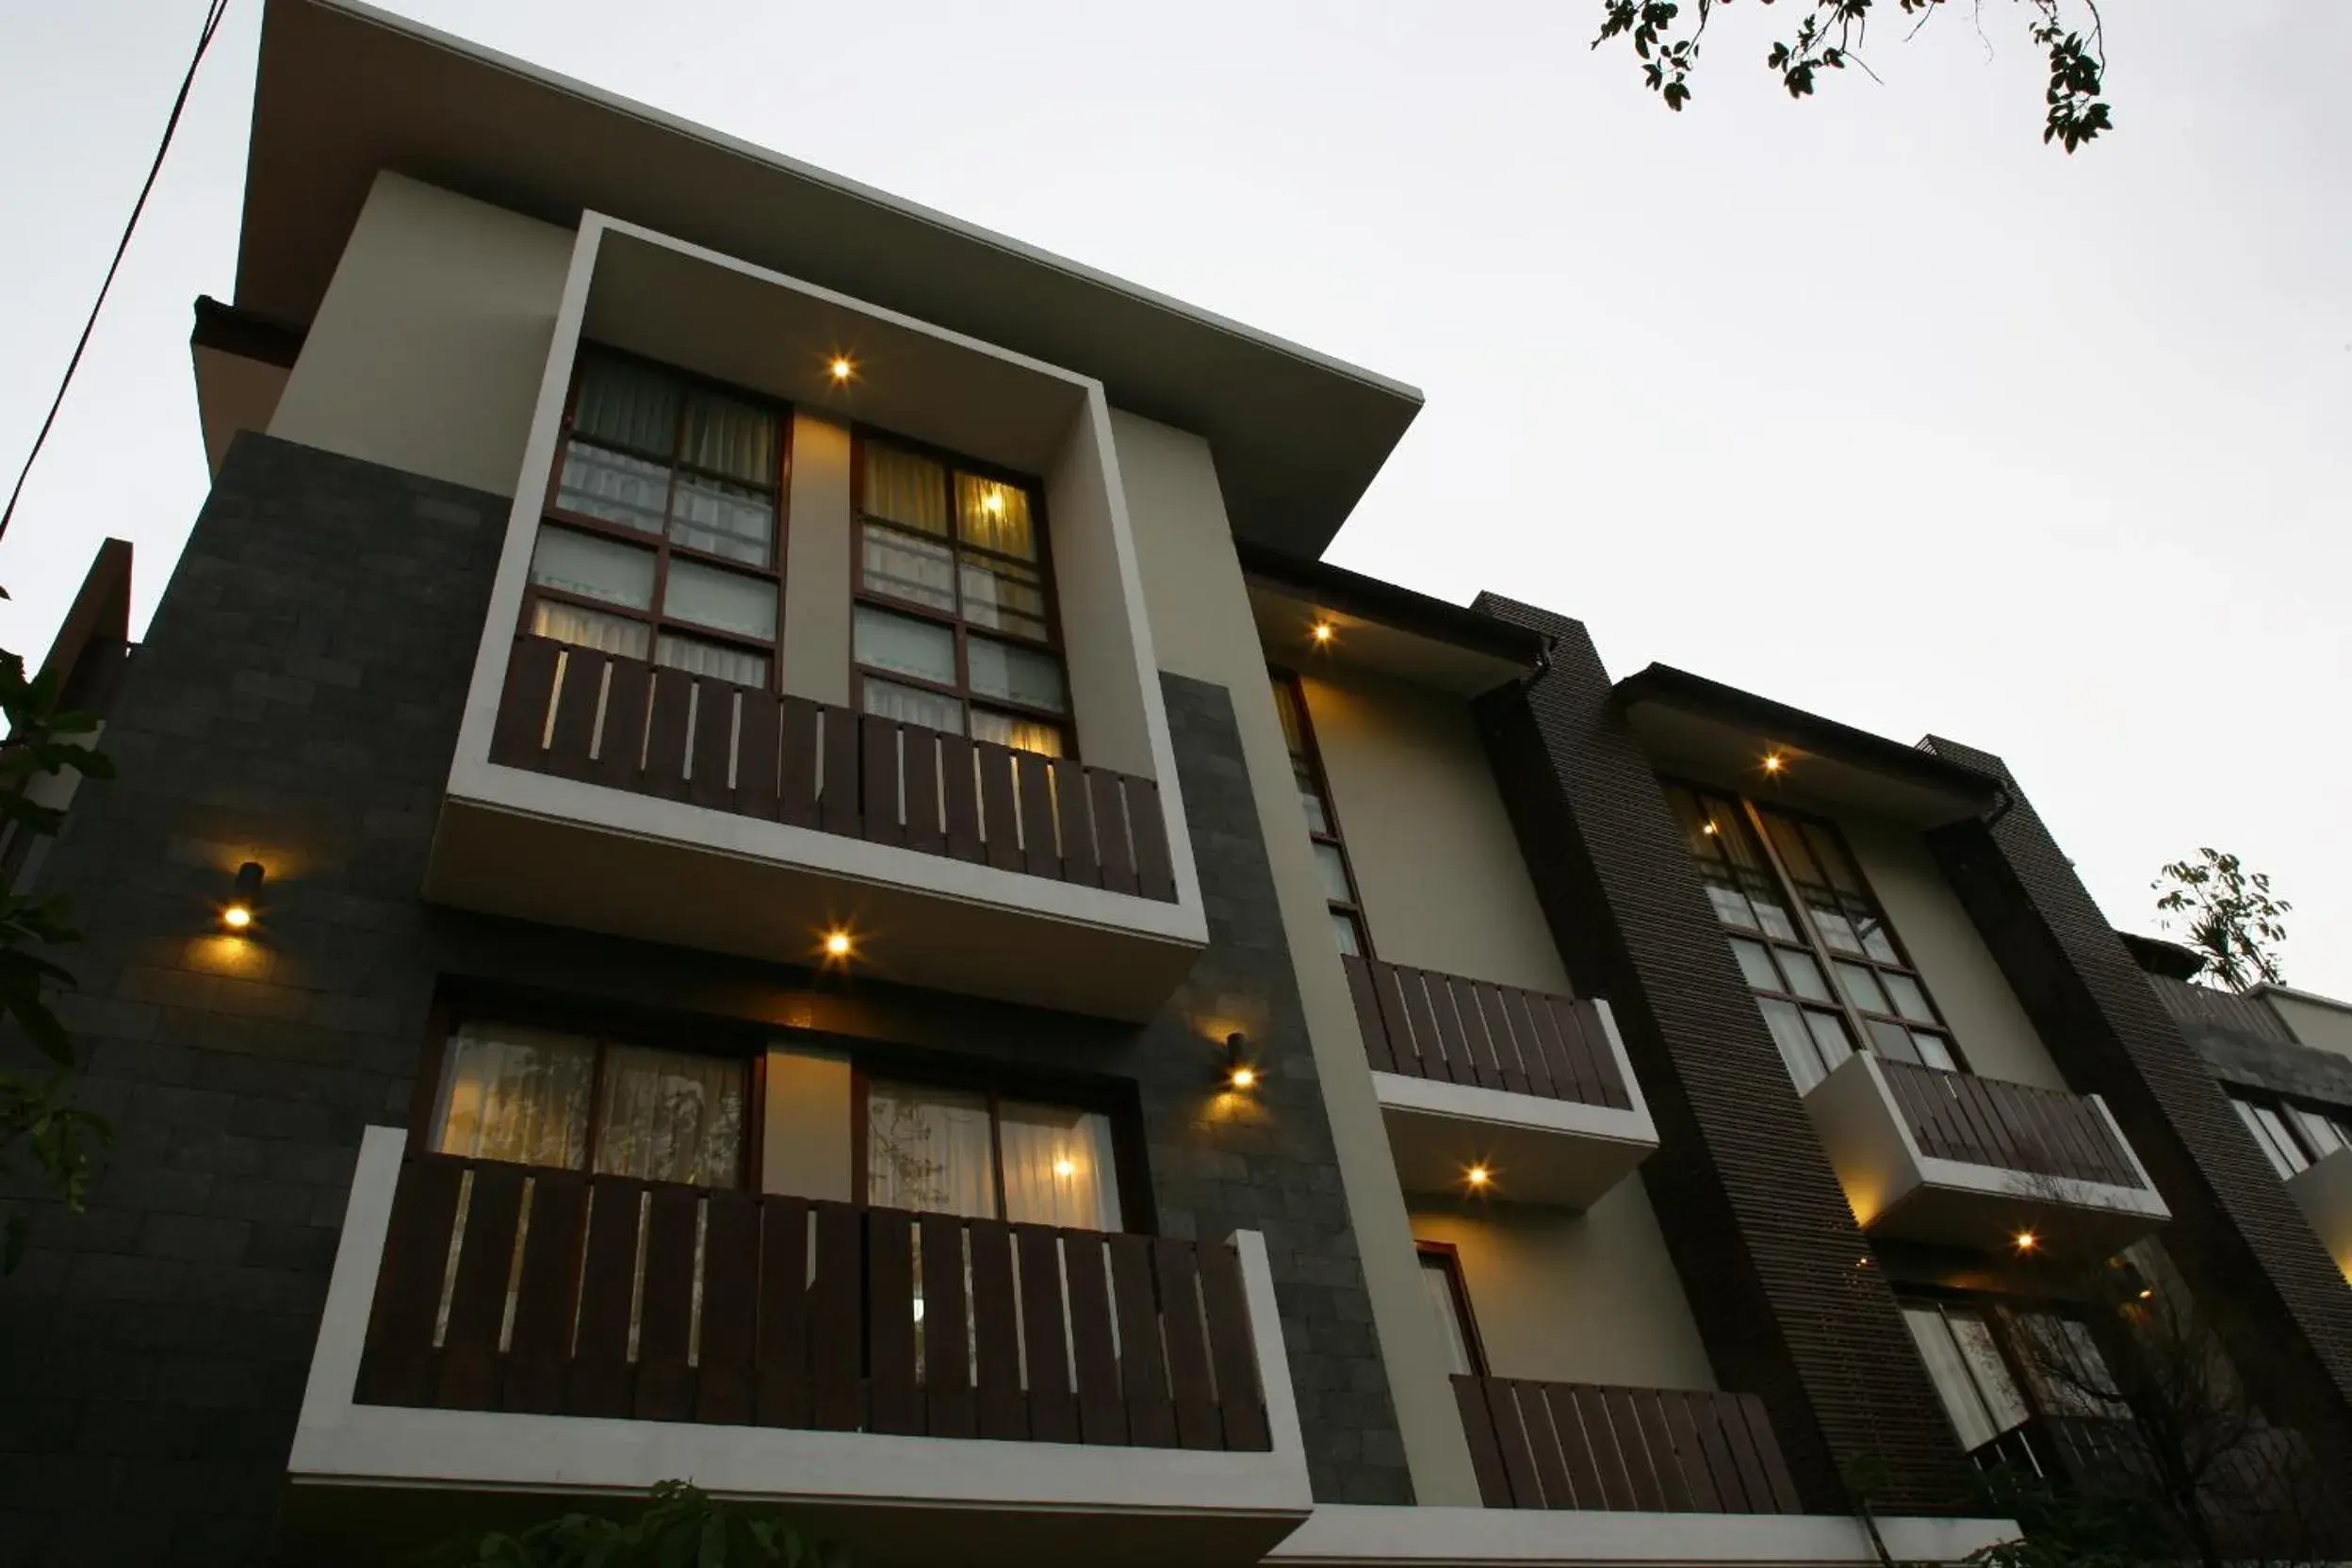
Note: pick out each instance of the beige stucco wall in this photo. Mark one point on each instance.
(1436, 862)
(428, 350)
(1573, 1298)
(1202, 627)
(805, 1143)
(1995, 1036)
(2318, 1022)
(817, 564)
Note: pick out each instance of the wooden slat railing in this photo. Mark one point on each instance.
(511, 1288)
(1649, 1451)
(628, 724)
(1958, 1115)
(1430, 1025)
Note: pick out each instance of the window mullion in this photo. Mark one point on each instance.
(1801, 917)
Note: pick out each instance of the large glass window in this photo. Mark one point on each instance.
(952, 1151)
(542, 1096)
(1450, 1298)
(1810, 938)
(1314, 799)
(953, 628)
(661, 537)
(1966, 1364)
(2294, 1137)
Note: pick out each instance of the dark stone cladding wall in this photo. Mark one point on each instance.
(2265, 1056)
(297, 701)
(1768, 1250)
(2237, 1234)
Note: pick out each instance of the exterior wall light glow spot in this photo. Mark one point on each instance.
(2027, 1241)
(836, 944)
(1239, 1071)
(1773, 763)
(1477, 1175)
(244, 897)
(842, 369)
(1322, 631)
(1709, 831)
(1065, 1168)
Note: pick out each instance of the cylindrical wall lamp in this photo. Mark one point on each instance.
(244, 897)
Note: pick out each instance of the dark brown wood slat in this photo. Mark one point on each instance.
(1074, 811)
(1511, 1045)
(600, 1379)
(2047, 1141)
(1368, 1020)
(1767, 1449)
(1742, 1439)
(962, 799)
(757, 734)
(799, 730)
(1990, 1139)
(879, 797)
(1468, 1066)
(1510, 1441)
(1197, 1426)
(1155, 873)
(838, 794)
(540, 1348)
(1435, 1060)
(1562, 1014)
(2084, 1130)
(724, 1391)
(1625, 1420)
(1040, 855)
(1233, 1354)
(1142, 1374)
(784, 1374)
(1053, 1405)
(1575, 1447)
(621, 736)
(836, 1393)
(1486, 1456)
(1551, 1461)
(1918, 1110)
(1609, 1447)
(1497, 1058)
(396, 1365)
(2113, 1158)
(1388, 992)
(895, 1399)
(918, 773)
(1684, 1414)
(1570, 1073)
(999, 820)
(1657, 1441)
(581, 674)
(522, 722)
(1101, 1417)
(713, 745)
(467, 1376)
(666, 735)
(996, 1331)
(1113, 847)
(948, 1406)
(1604, 1055)
(665, 1379)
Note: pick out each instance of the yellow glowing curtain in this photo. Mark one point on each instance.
(994, 517)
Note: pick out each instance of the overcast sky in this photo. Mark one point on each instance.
(1872, 403)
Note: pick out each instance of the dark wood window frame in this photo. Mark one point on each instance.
(656, 620)
(1449, 1258)
(2289, 1112)
(600, 1028)
(1747, 817)
(954, 620)
(1352, 909)
(2001, 1310)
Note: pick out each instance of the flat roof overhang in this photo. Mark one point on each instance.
(1720, 735)
(1380, 625)
(344, 91)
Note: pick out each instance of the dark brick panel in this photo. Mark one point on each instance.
(2237, 1234)
(297, 701)
(1769, 1253)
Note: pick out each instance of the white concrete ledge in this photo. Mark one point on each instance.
(1470, 1537)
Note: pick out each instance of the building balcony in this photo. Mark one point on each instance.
(1958, 1160)
(2324, 1188)
(912, 1386)
(1533, 1090)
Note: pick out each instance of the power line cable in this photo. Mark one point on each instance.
(204, 41)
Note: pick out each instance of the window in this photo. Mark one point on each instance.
(1314, 797)
(951, 1151)
(954, 625)
(1965, 1363)
(2294, 1137)
(1449, 1297)
(540, 1097)
(660, 538)
(1811, 941)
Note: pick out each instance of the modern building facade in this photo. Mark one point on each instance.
(846, 910)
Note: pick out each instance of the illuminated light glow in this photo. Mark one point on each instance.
(836, 944)
(994, 505)
(1322, 631)
(1709, 831)
(2027, 1241)
(1244, 1077)
(1065, 1168)
(2148, 1294)
(237, 917)
(1477, 1175)
(1773, 762)
(842, 369)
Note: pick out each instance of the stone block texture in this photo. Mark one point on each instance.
(1781, 1281)
(297, 702)
(2273, 1293)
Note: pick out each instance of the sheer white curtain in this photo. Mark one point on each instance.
(513, 1093)
(590, 628)
(696, 656)
(671, 1116)
(628, 403)
(929, 1150)
(905, 488)
(1058, 1168)
(994, 517)
(1966, 1366)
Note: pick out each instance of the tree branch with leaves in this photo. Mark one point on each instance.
(2229, 914)
(1830, 35)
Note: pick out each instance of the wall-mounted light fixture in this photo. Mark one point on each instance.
(1240, 1071)
(841, 369)
(244, 898)
(836, 945)
(1478, 1176)
(2026, 1241)
(1322, 632)
(1774, 762)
